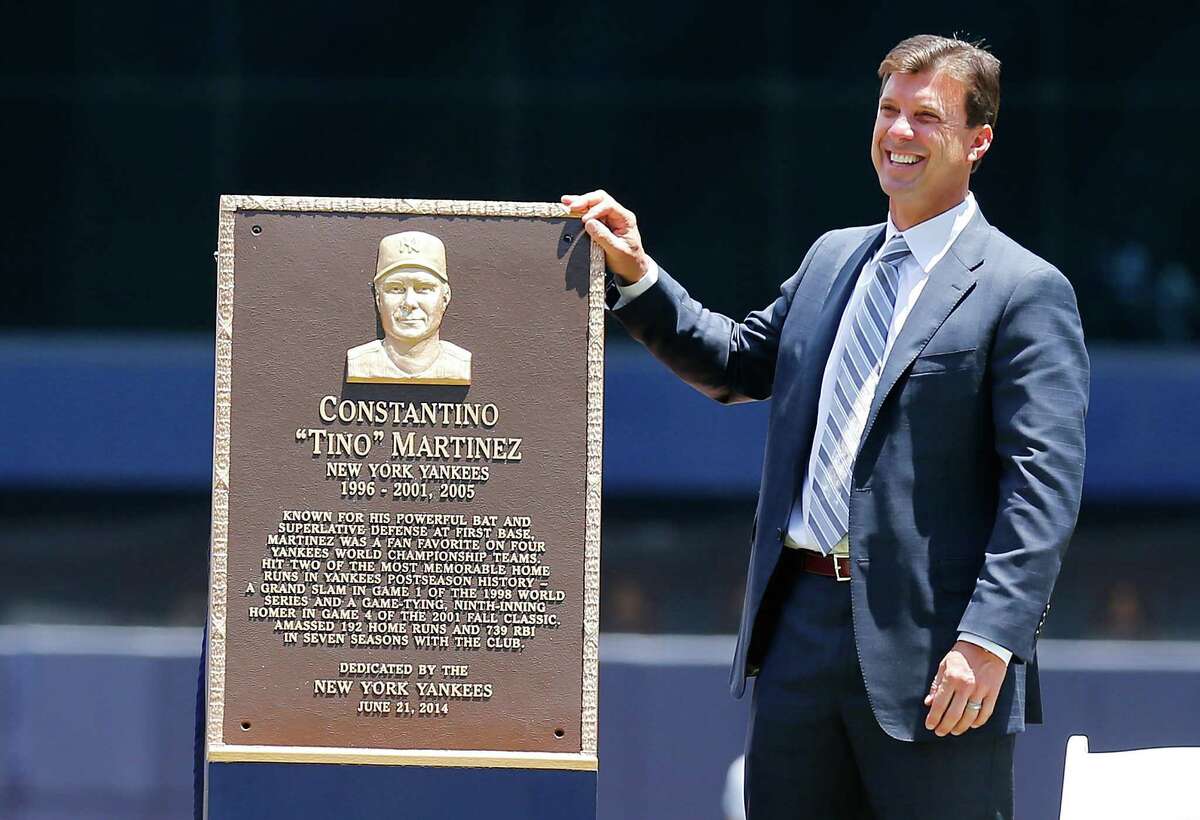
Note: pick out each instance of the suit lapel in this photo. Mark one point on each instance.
(835, 290)
(821, 311)
(949, 281)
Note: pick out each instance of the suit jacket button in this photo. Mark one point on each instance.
(778, 533)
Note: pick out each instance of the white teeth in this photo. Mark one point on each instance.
(905, 159)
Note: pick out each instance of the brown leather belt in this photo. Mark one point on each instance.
(827, 565)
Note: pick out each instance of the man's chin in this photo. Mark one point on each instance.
(409, 337)
(898, 189)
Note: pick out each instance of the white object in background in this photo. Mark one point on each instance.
(1142, 783)
(733, 800)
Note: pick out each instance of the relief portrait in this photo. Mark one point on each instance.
(412, 291)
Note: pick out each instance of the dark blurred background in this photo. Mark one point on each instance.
(737, 132)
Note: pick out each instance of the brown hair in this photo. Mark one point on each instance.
(968, 63)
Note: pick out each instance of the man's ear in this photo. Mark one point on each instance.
(981, 143)
(446, 295)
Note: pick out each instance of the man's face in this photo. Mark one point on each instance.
(411, 302)
(921, 147)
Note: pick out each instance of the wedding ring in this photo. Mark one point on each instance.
(973, 706)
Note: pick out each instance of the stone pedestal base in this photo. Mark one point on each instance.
(314, 791)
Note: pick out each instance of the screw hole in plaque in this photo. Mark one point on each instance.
(559, 733)
(245, 726)
(256, 229)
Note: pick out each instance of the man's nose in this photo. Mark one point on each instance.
(410, 298)
(900, 128)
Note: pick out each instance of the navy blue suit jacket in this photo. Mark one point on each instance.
(966, 488)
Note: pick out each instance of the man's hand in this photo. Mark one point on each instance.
(614, 228)
(968, 674)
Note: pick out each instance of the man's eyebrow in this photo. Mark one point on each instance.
(931, 102)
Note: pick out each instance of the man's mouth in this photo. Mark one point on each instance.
(897, 158)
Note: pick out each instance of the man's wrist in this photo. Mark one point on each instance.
(632, 291)
(991, 646)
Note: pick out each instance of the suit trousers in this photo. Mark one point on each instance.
(814, 748)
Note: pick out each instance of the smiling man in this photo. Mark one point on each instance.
(412, 291)
(922, 472)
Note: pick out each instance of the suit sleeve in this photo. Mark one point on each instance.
(1039, 382)
(726, 360)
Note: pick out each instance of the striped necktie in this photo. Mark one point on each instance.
(854, 389)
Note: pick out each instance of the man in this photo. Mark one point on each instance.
(411, 295)
(922, 472)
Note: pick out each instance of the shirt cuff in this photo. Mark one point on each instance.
(991, 646)
(631, 292)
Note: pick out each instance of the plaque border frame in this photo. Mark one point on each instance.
(216, 749)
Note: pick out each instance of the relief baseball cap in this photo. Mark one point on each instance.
(415, 249)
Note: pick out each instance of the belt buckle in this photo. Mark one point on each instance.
(837, 572)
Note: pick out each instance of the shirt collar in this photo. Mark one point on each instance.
(929, 240)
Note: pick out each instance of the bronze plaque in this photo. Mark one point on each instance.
(406, 483)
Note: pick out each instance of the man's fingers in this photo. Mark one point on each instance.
(581, 202)
(953, 714)
(934, 686)
(968, 715)
(604, 209)
(985, 712)
(621, 257)
(577, 202)
(601, 234)
(937, 705)
(599, 205)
